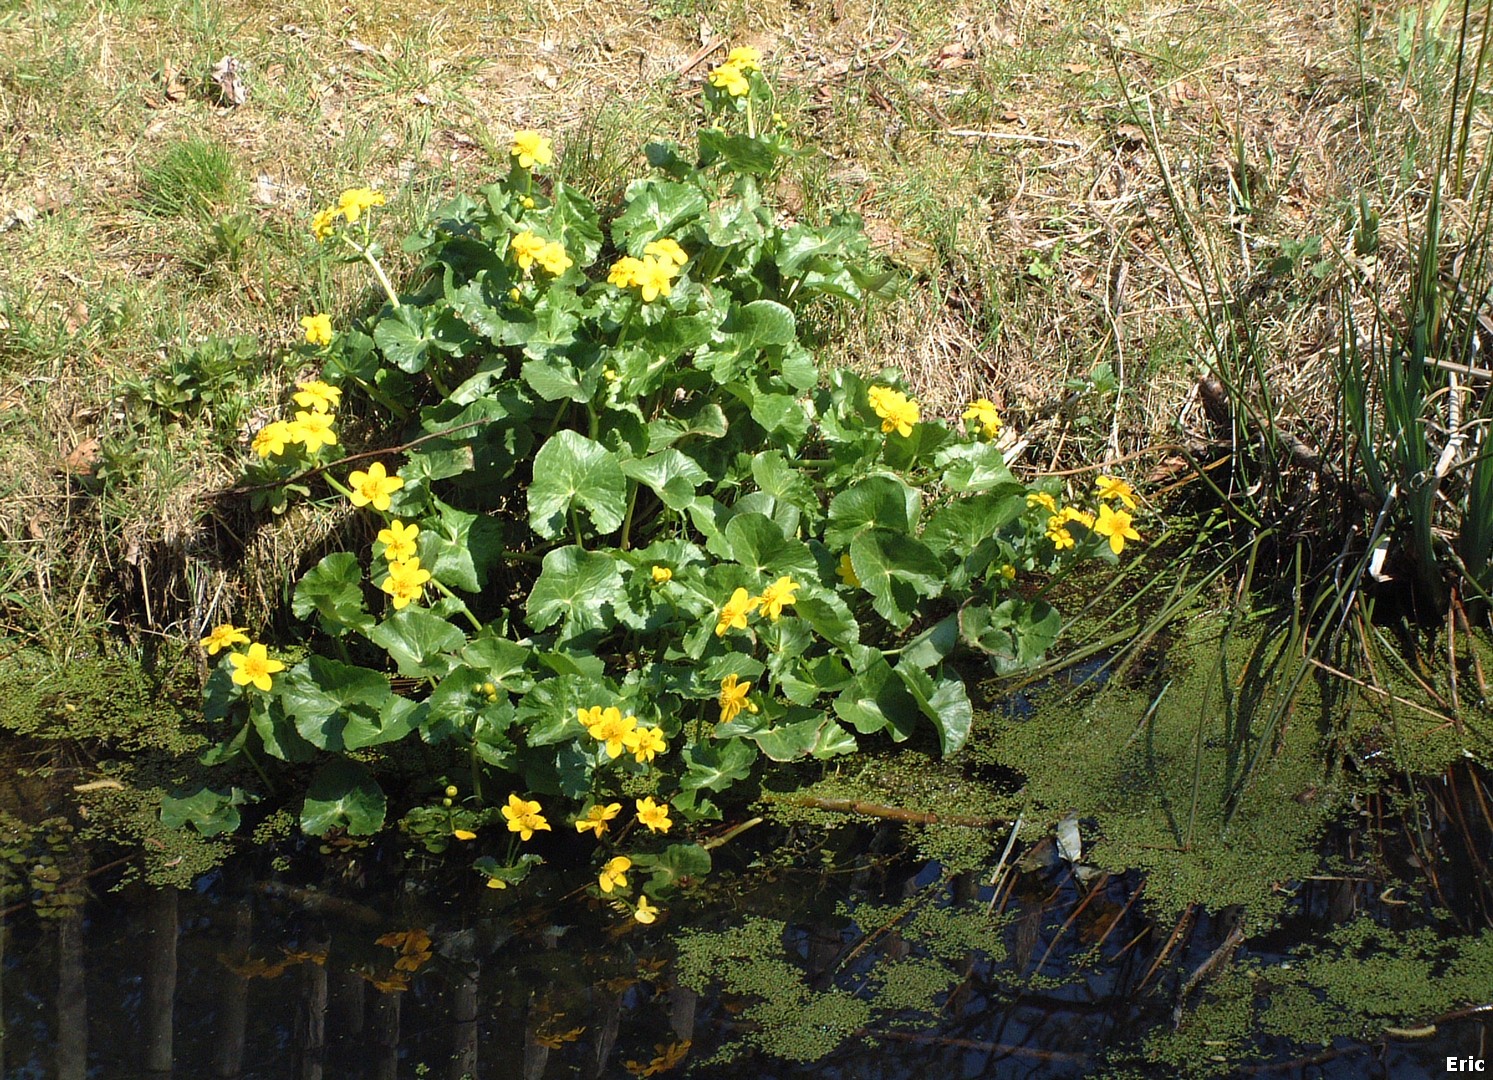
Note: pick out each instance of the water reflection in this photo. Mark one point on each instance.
(403, 974)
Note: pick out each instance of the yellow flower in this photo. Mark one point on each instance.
(624, 272)
(735, 611)
(270, 440)
(614, 873)
(778, 595)
(496, 883)
(728, 77)
(526, 202)
(1083, 517)
(1112, 487)
(654, 277)
(464, 834)
(254, 668)
(645, 914)
(318, 329)
(1008, 572)
(526, 248)
(745, 58)
(608, 726)
(666, 249)
(654, 815)
(452, 791)
(405, 583)
(662, 574)
(399, 540)
(1057, 532)
(983, 411)
(898, 412)
(373, 487)
(596, 818)
(733, 698)
(317, 396)
(1115, 524)
(355, 201)
(531, 148)
(524, 817)
(1044, 500)
(224, 636)
(324, 223)
(553, 258)
(644, 742)
(846, 570)
(313, 430)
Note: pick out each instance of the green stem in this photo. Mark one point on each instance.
(470, 617)
(632, 502)
(439, 383)
(268, 783)
(575, 523)
(382, 398)
(337, 485)
(632, 309)
(378, 271)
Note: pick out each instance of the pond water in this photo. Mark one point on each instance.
(809, 952)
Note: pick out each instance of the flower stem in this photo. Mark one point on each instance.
(378, 271)
(632, 502)
(372, 390)
(464, 610)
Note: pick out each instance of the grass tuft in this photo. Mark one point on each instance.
(189, 178)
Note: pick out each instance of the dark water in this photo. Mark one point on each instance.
(265, 973)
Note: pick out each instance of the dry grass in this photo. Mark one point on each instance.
(992, 149)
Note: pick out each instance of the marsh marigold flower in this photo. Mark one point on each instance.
(318, 329)
(464, 834)
(666, 249)
(254, 668)
(1044, 500)
(661, 574)
(595, 819)
(1112, 487)
(734, 612)
(654, 815)
(354, 202)
(1083, 517)
(645, 913)
(399, 540)
(373, 487)
(624, 272)
(224, 636)
(406, 582)
(898, 412)
(777, 596)
(1058, 533)
(324, 222)
(728, 77)
(643, 743)
(846, 570)
(745, 58)
(526, 248)
(531, 148)
(524, 817)
(654, 278)
(608, 726)
(733, 699)
(553, 258)
(983, 412)
(317, 396)
(614, 874)
(270, 440)
(1115, 525)
(313, 430)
